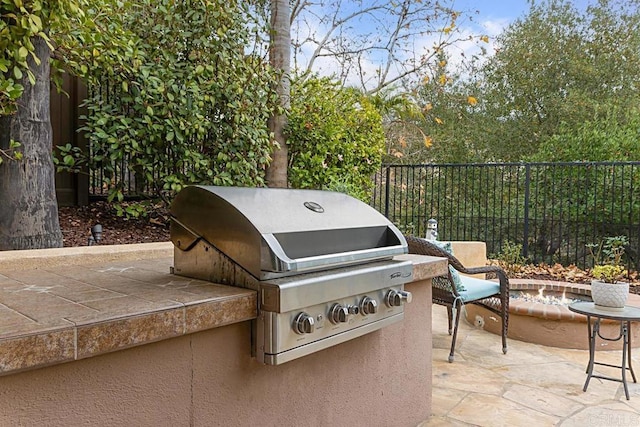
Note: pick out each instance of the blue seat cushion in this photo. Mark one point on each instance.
(475, 289)
(455, 276)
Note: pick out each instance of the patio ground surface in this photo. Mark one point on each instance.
(532, 385)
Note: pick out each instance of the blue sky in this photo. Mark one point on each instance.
(503, 10)
(496, 14)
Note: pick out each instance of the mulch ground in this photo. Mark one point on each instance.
(76, 223)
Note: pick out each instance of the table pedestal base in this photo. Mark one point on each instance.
(594, 332)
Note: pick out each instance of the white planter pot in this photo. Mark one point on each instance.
(612, 295)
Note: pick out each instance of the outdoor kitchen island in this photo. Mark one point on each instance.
(107, 336)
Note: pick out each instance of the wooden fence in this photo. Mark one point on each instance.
(72, 189)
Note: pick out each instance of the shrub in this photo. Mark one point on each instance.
(608, 273)
(609, 251)
(335, 138)
(510, 258)
(607, 259)
(174, 98)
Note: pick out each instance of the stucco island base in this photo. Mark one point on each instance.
(208, 378)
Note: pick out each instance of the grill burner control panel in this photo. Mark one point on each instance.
(329, 323)
(305, 323)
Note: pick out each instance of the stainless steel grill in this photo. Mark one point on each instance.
(321, 261)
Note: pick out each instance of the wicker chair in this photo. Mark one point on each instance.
(488, 294)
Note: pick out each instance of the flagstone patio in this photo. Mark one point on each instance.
(530, 385)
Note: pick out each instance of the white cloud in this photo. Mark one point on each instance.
(494, 27)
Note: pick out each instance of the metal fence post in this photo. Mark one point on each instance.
(527, 198)
(386, 192)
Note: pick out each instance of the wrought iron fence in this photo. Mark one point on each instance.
(552, 209)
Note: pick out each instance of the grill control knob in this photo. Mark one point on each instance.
(304, 324)
(368, 306)
(353, 309)
(397, 298)
(338, 314)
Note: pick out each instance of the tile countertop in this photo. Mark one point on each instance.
(60, 305)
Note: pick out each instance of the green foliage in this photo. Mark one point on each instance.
(609, 251)
(342, 185)
(335, 137)
(174, 99)
(20, 22)
(527, 82)
(554, 208)
(608, 273)
(510, 257)
(448, 105)
(434, 122)
(70, 158)
(607, 258)
(614, 137)
(584, 193)
(134, 209)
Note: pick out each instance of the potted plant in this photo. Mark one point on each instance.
(607, 289)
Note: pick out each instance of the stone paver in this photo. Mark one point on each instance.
(445, 399)
(485, 410)
(545, 401)
(604, 415)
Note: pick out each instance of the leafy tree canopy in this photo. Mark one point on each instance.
(20, 22)
(433, 123)
(613, 136)
(556, 69)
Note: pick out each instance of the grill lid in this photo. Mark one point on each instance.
(283, 231)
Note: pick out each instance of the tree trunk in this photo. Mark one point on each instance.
(28, 206)
(279, 57)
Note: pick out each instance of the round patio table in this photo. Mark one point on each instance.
(625, 316)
